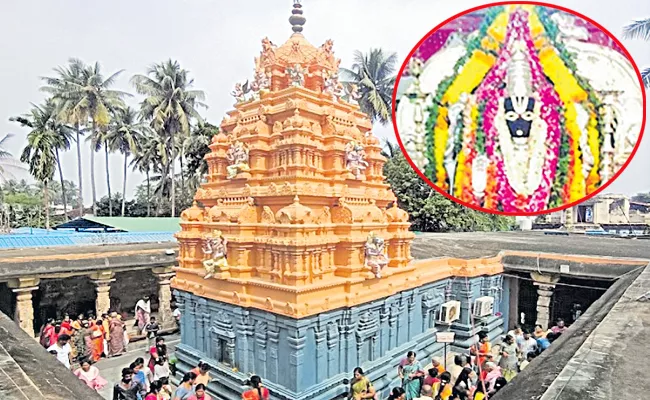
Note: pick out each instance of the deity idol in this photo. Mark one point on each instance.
(237, 159)
(375, 258)
(296, 75)
(355, 159)
(215, 248)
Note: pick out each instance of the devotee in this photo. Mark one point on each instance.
(436, 362)
(106, 329)
(66, 325)
(482, 350)
(463, 379)
(46, 333)
(258, 391)
(518, 335)
(539, 332)
(360, 386)
(76, 324)
(446, 389)
(479, 392)
(116, 345)
(63, 350)
(96, 340)
(410, 375)
(165, 389)
(493, 372)
(186, 388)
(154, 391)
(456, 369)
(139, 375)
(161, 369)
(151, 330)
(543, 343)
(202, 372)
(432, 379)
(509, 358)
(499, 384)
(161, 347)
(426, 393)
(89, 374)
(397, 394)
(530, 344)
(559, 327)
(142, 313)
(127, 388)
(199, 393)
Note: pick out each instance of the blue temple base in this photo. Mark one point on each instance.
(310, 358)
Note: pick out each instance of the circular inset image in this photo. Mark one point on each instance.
(519, 109)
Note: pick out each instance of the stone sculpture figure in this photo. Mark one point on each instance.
(353, 94)
(237, 159)
(355, 159)
(215, 248)
(375, 258)
(296, 75)
(239, 93)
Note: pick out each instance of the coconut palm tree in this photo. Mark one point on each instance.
(85, 96)
(40, 156)
(374, 75)
(126, 134)
(147, 159)
(639, 29)
(43, 121)
(170, 105)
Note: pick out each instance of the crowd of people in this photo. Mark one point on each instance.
(474, 376)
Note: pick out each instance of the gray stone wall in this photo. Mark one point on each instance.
(309, 358)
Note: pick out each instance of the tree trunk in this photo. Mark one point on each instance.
(173, 170)
(108, 182)
(79, 173)
(65, 201)
(182, 176)
(46, 202)
(148, 195)
(126, 156)
(92, 169)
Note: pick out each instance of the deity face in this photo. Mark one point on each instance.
(519, 114)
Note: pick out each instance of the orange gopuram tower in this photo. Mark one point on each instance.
(294, 260)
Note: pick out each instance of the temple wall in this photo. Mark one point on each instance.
(308, 358)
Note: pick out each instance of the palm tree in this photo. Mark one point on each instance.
(85, 95)
(170, 105)
(126, 134)
(43, 121)
(40, 155)
(390, 149)
(147, 159)
(639, 29)
(374, 75)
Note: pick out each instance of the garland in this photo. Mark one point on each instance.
(435, 155)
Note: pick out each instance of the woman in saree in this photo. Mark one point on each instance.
(116, 341)
(96, 341)
(411, 372)
(258, 392)
(90, 375)
(361, 387)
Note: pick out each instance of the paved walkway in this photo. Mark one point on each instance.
(111, 368)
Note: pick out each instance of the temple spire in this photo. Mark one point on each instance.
(297, 20)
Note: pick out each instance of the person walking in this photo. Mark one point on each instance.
(360, 386)
(89, 374)
(127, 388)
(63, 350)
(509, 358)
(411, 374)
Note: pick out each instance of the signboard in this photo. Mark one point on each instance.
(445, 337)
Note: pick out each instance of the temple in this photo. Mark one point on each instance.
(294, 260)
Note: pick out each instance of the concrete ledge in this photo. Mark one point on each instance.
(30, 372)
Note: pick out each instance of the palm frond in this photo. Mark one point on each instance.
(639, 29)
(645, 77)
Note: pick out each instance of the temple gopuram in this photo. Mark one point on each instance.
(294, 260)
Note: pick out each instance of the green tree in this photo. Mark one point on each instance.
(42, 119)
(374, 75)
(149, 157)
(7, 161)
(126, 134)
(639, 29)
(84, 95)
(195, 149)
(171, 106)
(40, 156)
(431, 211)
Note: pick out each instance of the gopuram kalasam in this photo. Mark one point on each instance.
(294, 260)
(529, 108)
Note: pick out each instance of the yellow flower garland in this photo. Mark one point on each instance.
(565, 83)
(577, 189)
(470, 76)
(440, 132)
(463, 176)
(592, 134)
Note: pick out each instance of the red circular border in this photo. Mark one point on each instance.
(506, 3)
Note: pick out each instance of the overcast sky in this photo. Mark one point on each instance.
(217, 40)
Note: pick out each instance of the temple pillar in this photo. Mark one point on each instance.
(24, 313)
(102, 281)
(164, 276)
(545, 286)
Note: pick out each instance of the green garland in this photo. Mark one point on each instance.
(551, 29)
(562, 171)
(444, 85)
(480, 132)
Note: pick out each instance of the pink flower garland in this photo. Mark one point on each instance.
(490, 91)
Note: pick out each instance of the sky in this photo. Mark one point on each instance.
(217, 41)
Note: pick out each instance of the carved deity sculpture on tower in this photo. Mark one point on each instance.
(296, 75)
(216, 251)
(355, 159)
(237, 159)
(239, 93)
(375, 258)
